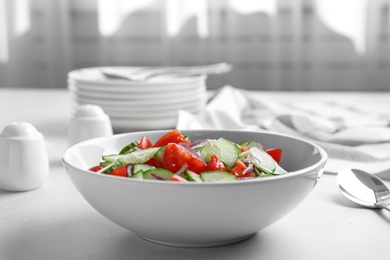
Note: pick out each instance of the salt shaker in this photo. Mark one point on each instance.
(88, 121)
(24, 163)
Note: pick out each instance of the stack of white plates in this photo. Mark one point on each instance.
(138, 105)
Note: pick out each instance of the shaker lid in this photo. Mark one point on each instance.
(19, 129)
(89, 111)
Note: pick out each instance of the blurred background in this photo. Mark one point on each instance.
(291, 45)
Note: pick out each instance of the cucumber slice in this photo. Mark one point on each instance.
(261, 174)
(262, 160)
(158, 174)
(192, 176)
(246, 142)
(111, 157)
(254, 144)
(104, 163)
(128, 148)
(142, 167)
(217, 176)
(159, 155)
(139, 156)
(279, 170)
(111, 167)
(225, 150)
(138, 175)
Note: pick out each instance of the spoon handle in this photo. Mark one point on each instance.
(386, 207)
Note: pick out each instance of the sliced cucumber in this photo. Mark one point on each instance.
(246, 142)
(262, 160)
(104, 163)
(142, 167)
(139, 156)
(128, 148)
(279, 170)
(111, 157)
(261, 174)
(158, 174)
(138, 175)
(254, 144)
(111, 167)
(217, 176)
(192, 176)
(159, 155)
(225, 150)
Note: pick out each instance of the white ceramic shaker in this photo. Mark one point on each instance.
(24, 163)
(88, 121)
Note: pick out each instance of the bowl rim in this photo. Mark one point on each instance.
(293, 174)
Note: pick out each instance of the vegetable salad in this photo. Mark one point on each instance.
(173, 157)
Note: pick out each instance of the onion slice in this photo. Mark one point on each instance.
(248, 169)
(192, 151)
(200, 143)
(129, 169)
(182, 169)
(157, 177)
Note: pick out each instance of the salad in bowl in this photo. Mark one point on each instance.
(174, 157)
(195, 188)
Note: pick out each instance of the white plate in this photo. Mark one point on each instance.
(139, 88)
(157, 104)
(106, 93)
(135, 124)
(93, 77)
(138, 100)
(155, 113)
(146, 109)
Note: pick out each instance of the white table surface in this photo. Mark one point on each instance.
(55, 222)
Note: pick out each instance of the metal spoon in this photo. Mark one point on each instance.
(363, 188)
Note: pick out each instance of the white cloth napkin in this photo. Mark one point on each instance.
(347, 132)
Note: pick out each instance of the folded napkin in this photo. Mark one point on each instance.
(346, 132)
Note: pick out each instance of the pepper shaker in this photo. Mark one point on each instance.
(24, 163)
(88, 121)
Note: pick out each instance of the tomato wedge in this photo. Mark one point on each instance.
(215, 164)
(175, 156)
(240, 173)
(96, 168)
(174, 136)
(154, 162)
(145, 143)
(178, 178)
(120, 171)
(276, 154)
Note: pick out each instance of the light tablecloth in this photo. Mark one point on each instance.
(353, 130)
(55, 222)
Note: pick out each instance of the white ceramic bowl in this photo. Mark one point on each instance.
(196, 214)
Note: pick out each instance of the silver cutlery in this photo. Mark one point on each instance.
(363, 188)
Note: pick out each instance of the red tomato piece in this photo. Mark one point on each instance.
(178, 178)
(244, 148)
(240, 164)
(175, 156)
(237, 171)
(240, 173)
(154, 162)
(276, 154)
(250, 175)
(120, 171)
(174, 136)
(96, 168)
(215, 164)
(145, 143)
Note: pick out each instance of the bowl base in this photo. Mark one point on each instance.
(196, 244)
